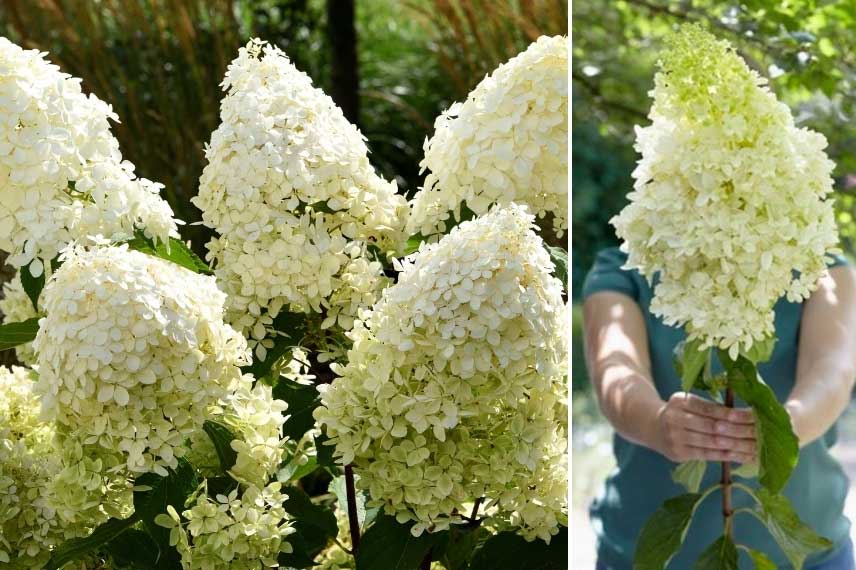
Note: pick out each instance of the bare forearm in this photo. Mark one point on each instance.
(820, 395)
(631, 404)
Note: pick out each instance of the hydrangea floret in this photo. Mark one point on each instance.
(508, 142)
(729, 209)
(63, 175)
(293, 198)
(454, 387)
(132, 353)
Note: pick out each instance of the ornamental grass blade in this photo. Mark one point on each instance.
(796, 539)
(720, 555)
(664, 532)
(778, 446)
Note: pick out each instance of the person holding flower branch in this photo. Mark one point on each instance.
(720, 337)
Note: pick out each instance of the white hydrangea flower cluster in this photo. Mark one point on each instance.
(292, 196)
(508, 142)
(29, 462)
(132, 353)
(63, 175)
(454, 387)
(231, 532)
(16, 307)
(730, 197)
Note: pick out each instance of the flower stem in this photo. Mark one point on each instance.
(727, 511)
(353, 520)
(426, 562)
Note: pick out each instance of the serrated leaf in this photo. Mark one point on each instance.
(664, 532)
(164, 491)
(76, 548)
(721, 555)
(510, 551)
(337, 487)
(560, 263)
(746, 470)
(690, 362)
(778, 446)
(761, 351)
(134, 549)
(302, 400)
(294, 470)
(222, 438)
(389, 545)
(759, 559)
(690, 474)
(178, 252)
(32, 285)
(315, 526)
(462, 543)
(796, 539)
(13, 334)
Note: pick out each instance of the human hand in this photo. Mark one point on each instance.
(690, 427)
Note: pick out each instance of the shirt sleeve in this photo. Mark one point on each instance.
(607, 275)
(837, 261)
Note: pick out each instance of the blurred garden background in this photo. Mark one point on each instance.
(807, 50)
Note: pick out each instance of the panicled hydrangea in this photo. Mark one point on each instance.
(730, 197)
(30, 526)
(231, 532)
(454, 387)
(63, 175)
(291, 194)
(508, 142)
(132, 353)
(16, 307)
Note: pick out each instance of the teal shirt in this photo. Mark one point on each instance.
(642, 478)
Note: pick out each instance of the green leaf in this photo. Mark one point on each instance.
(759, 559)
(796, 539)
(778, 446)
(164, 491)
(13, 334)
(510, 551)
(721, 555)
(690, 360)
(324, 452)
(364, 516)
(690, 474)
(413, 243)
(302, 400)
(222, 437)
(463, 541)
(315, 526)
(294, 470)
(761, 351)
(178, 252)
(76, 548)
(134, 549)
(560, 263)
(32, 285)
(746, 470)
(389, 545)
(664, 532)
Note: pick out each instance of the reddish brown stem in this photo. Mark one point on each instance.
(426, 562)
(353, 520)
(476, 508)
(727, 511)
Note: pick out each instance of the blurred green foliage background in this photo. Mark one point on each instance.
(160, 63)
(806, 48)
